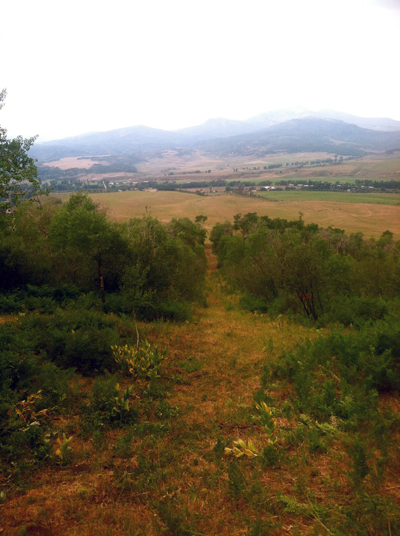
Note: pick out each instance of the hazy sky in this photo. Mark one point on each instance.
(77, 66)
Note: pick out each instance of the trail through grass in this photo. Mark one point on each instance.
(168, 473)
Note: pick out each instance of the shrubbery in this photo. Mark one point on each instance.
(289, 267)
(52, 255)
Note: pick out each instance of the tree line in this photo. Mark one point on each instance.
(143, 265)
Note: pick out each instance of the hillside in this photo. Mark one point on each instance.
(275, 117)
(308, 135)
(268, 133)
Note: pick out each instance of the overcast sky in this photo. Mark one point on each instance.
(78, 66)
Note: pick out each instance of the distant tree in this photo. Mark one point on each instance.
(200, 219)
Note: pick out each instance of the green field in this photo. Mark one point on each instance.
(339, 197)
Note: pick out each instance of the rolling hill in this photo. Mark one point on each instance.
(267, 133)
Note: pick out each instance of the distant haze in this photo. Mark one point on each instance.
(75, 67)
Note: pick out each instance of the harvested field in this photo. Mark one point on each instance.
(370, 219)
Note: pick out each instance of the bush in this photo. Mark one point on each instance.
(253, 304)
(110, 404)
(71, 338)
(44, 299)
(355, 311)
(340, 374)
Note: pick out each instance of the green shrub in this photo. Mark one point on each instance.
(110, 404)
(77, 339)
(143, 362)
(253, 304)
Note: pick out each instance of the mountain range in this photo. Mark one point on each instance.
(295, 130)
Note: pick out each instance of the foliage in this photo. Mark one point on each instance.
(268, 422)
(64, 452)
(143, 362)
(110, 404)
(168, 264)
(18, 173)
(89, 247)
(144, 268)
(241, 448)
(287, 266)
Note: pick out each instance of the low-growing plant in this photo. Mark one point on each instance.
(268, 422)
(109, 404)
(26, 411)
(123, 446)
(164, 410)
(143, 362)
(175, 522)
(236, 483)
(271, 456)
(242, 449)
(64, 451)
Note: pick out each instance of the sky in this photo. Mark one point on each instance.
(83, 66)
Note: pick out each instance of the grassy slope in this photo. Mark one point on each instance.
(212, 403)
(111, 491)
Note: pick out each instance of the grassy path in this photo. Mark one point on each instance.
(168, 474)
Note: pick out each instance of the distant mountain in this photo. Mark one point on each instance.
(373, 123)
(122, 140)
(268, 133)
(216, 128)
(308, 134)
(279, 116)
(268, 119)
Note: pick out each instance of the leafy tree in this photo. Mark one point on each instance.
(25, 255)
(246, 224)
(18, 173)
(88, 246)
(200, 219)
(191, 233)
(218, 231)
(168, 261)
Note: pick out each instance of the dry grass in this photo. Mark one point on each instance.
(103, 493)
(377, 166)
(184, 164)
(370, 219)
(73, 162)
(86, 498)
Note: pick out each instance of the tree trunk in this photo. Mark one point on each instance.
(101, 278)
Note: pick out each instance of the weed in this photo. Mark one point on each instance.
(242, 449)
(26, 410)
(109, 404)
(123, 446)
(271, 456)
(358, 456)
(190, 365)
(174, 522)
(236, 483)
(142, 363)
(291, 505)
(219, 448)
(268, 422)
(262, 528)
(164, 410)
(64, 452)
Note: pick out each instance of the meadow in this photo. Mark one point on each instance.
(192, 165)
(371, 219)
(337, 197)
